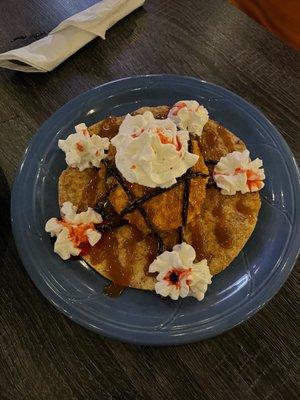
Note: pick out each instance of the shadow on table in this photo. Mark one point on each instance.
(5, 226)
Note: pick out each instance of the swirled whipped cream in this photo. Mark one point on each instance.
(74, 232)
(178, 276)
(237, 173)
(189, 115)
(152, 152)
(83, 150)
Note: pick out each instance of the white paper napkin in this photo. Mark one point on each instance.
(68, 37)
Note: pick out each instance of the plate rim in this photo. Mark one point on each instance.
(151, 339)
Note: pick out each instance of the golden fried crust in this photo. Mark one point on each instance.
(165, 210)
(197, 197)
(133, 259)
(217, 141)
(169, 238)
(82, 188)
(119, 201)
(237, 216)
(225, 225)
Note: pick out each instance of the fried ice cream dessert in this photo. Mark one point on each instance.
(160, 199)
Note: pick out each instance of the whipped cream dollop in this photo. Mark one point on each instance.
(189, 115)
(83, 150)
(152, 152)
(74, 232)
(237, 173)
(178, 276)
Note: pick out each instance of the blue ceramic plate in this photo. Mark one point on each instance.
(143, 317)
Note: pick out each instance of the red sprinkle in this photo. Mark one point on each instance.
(85, 248)
(77, 233)
(79, 146)
(165, 140)
(253, 181)
(176, 275)
(137, 134)
(178, 107)
(178, 143)
(239, 170)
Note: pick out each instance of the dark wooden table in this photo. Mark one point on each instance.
(44, 355)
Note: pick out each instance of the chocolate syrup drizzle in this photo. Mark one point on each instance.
(116, 219)
(158, 191)
(116, 174)
(211, 182)
(107, 227)
(211, 162)
(113, 220)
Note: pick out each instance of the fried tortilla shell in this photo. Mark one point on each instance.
(123, 256)
(225, 225)
(218, 226)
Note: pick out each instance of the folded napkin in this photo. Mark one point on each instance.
(68, 37)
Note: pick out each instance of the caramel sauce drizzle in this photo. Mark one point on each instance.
(226, 138)
(218, 211)
(115, 173)
(107, 251)
(89, 194)
(106, 248)
(198, 242)
(109, 127)
(211, 184)
(152, 253)
(92, 187)
(223, 236)
(211, 162)
(221, 232)
(211, 142)
(111, 219)
(156, 192)
(243, 209)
